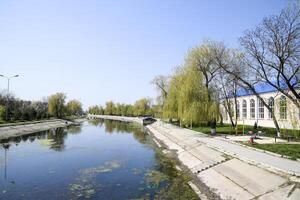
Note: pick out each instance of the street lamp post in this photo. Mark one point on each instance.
(7, 95)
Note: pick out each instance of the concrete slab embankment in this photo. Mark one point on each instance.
(18, 130)
(118, 118)
(223, 172)
(224, 168)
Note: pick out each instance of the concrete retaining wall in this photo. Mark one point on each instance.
(18, 130)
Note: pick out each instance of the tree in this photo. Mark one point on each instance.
(187, 98)
(202, 59)
(56, 105)
(273, 50)
(74, 107)
(110, 108)
(123, 109)
(170, 108)
(193, 104)
(141, 107)
(227, 86)
(235, 64)
(2, 112)
(96, 110)
(161, 83)
(41, 109)
(129, 110)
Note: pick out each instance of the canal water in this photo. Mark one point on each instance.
(100, 159)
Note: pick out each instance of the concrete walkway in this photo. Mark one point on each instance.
(230, 170)
(235, 150)
(18, 130)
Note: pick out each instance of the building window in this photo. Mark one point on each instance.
(244, 109)
(261, 109)
(225, 114)
(271, 105)
(238, 109)
(252, 108)
(283, 111)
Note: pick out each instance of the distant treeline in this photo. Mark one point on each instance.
(53, 106)
(142, 107)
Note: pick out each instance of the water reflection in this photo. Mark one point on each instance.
(104, 160)
(74, 129)
(113, 126)
(54, 138)
(5, 146)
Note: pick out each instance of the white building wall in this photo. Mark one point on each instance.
(293, 114)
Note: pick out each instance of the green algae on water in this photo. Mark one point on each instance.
(85, 187)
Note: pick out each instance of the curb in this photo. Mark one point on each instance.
(260, 150)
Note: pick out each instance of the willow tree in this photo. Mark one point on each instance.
(96, 110)
(194, 105)
(56, 105)
(187, 99)
(202, 60)
(142, 106)
(110, 108)
(170, 108)
(74, 107)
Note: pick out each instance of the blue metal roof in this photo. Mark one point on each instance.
(260, 88)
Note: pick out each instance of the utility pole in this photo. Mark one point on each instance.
(7, 95)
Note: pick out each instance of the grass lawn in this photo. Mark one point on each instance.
(227, 129)
(290, 150)
(222, 129)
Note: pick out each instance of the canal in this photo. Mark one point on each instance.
(100, 159)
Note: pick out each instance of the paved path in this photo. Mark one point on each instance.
(235, 150)
(229, 170)
(253, 155)
(230, 178)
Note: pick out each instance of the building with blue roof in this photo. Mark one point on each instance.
(251, 110)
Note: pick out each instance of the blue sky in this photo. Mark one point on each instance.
(103, 50)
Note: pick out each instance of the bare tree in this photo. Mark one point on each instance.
(235, 64)
(161, 84)
(273, 49)
(227, 89)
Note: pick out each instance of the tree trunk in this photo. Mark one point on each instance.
(221, 119)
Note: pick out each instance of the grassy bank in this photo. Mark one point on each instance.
(227, 129)
(292, 151)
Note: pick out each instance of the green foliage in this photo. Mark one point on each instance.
(228, 129)
(56, 105)
(96, 110)
(188, 98)
(74, 107)
(20, 110)
(2, 113)
(141, 107)
(110, 108)
(290, 150)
